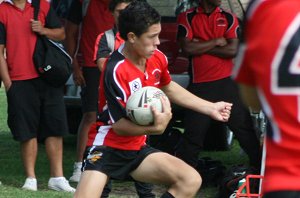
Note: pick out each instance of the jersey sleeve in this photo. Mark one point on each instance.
(242, 72)
(101, 47)
(183, 26)
(249, 53)
(165, 74)
(233, 26)
(114, 93)
(52, 20)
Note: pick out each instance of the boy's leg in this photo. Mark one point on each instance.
(183, 180)
(29, 151)
(91, 184)
(107, 189)
(54, 150)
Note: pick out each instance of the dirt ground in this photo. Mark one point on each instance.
(127, 190)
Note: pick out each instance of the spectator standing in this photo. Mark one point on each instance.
(267, 71)
(36, 111)
(118, 146)
(209, 35)
(90, 17)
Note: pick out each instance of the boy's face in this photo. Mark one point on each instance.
(118, 9)
(147, 43)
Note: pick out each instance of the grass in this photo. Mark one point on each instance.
(12, 174)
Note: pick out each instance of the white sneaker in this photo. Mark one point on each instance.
(60, 184)
(30, 184)
(76, 172)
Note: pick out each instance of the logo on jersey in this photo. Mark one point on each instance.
(135, 85)
(221, 22)
(156, 73)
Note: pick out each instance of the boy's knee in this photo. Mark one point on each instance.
(191, 183)
(195, 181)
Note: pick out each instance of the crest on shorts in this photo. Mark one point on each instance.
(93, 157)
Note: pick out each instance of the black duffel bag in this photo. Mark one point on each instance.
(50, 59)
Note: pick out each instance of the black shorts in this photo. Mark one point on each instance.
(35, 110)
(89, 92)
(115, 163)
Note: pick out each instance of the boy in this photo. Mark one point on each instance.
(118, 145)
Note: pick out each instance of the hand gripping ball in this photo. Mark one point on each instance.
(138, 106)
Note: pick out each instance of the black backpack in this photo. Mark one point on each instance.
(50, 59)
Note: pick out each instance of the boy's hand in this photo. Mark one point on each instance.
(221, 111)
(37, 27)
(161, 119)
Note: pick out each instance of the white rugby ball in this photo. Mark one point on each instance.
(138, 106)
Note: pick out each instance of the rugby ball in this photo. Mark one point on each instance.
(138, 106)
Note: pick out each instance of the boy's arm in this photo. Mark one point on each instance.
(100, 63)
(3, 69)
(57, 34)
(219, 111)
(196, 47)
(72, 43)
(227, 51)
(250, 97)
(161, 119)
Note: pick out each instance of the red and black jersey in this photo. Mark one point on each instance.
(97, 19)
(270, 61)
(101, 49)
(197, 25)
(19, 39)
(119, 80)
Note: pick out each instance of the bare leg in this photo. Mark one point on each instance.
(91, 184)
(183, 180)
(29, 151)
(87, 120)
(54, 150)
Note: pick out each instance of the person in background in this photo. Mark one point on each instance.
(267, 71)
(117, 146)
(90, 17)
(110, 40)
(209, 35)
(36, 111)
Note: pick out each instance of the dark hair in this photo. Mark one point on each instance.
(113, 4)
(137, 17)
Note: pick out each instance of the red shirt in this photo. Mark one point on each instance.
(119, 80)
(270, 62)
(195, 24)
(19, 39)
(97, 19)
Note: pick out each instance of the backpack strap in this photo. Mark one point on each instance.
(110, 37)
(36, 6)
(85, 5)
